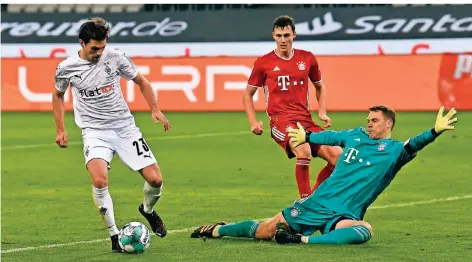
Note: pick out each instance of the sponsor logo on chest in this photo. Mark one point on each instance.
(97, 91)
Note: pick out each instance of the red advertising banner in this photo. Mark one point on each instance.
(409, 82)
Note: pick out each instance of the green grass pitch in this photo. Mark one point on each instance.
(215, 169)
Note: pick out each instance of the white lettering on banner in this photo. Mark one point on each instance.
(24, 29)
(188, 87)
(120, 26)
(7, 25)
(320, 27)
(212, 71)
(427, 23)
(362, 22)
(460, 27)
(360, 47)
(164, 28)
(43, 29)
(464, 65)
(32, 96)
(446, 23)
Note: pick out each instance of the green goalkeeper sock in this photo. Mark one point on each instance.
(347, 235)
(246, 228)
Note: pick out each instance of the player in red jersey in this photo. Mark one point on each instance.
(284, 74)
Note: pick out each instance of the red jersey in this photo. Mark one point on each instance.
(285, 82)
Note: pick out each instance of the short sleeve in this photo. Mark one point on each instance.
(257, 77)
(61, 81)
(126, 67)
(315, 73)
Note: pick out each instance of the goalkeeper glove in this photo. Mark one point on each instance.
(298, 136)
(444, 123)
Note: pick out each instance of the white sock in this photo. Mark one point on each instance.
(151, 195)
(105, 207)
(304, 239)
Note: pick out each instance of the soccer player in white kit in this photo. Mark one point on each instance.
(106, 121)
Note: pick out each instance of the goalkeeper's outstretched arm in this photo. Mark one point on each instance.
(443, 123)
(331, 138)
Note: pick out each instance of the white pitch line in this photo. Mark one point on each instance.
(24, 249)
(163, 137)
(423, 202)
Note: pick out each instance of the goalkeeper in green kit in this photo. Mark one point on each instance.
(369, 162)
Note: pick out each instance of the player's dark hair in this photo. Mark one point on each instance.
(387, 112)
(95, 28)
(283, 21)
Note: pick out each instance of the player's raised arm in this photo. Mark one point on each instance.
(443, 123)
(61, 84)
(332, 138)
(256, 80)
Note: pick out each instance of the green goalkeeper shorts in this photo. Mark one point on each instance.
(307, 217)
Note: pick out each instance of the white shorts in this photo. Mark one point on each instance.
(128, 144)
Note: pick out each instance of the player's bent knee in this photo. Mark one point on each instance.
(99, 182)
(98, 172)
(268, 228)
(302, 151)
(152, 175)
(330, 154)
(336, 152)
(99, 179)
(265, 231)
(155, 183)
(364, 224)
(367, 225)
(351, 223)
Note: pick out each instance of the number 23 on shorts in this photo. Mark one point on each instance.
(140, 146)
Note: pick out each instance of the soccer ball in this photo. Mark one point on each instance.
(134, 238)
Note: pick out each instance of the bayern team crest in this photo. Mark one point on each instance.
(382, 146)
(301, 65)
(294, 212)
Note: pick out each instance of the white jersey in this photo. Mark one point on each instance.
(97, 96)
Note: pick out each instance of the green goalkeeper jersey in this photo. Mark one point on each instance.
(364, 169)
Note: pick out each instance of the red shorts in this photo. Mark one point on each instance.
(279, 133)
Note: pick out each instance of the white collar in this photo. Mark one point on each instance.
(293, 53)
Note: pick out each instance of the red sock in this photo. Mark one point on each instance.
(302, 173)
(324, 173)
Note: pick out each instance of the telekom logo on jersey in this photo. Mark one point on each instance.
(351, 156)
(284, 82)
(175, 72)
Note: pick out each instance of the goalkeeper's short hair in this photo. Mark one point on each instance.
(387, 112)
